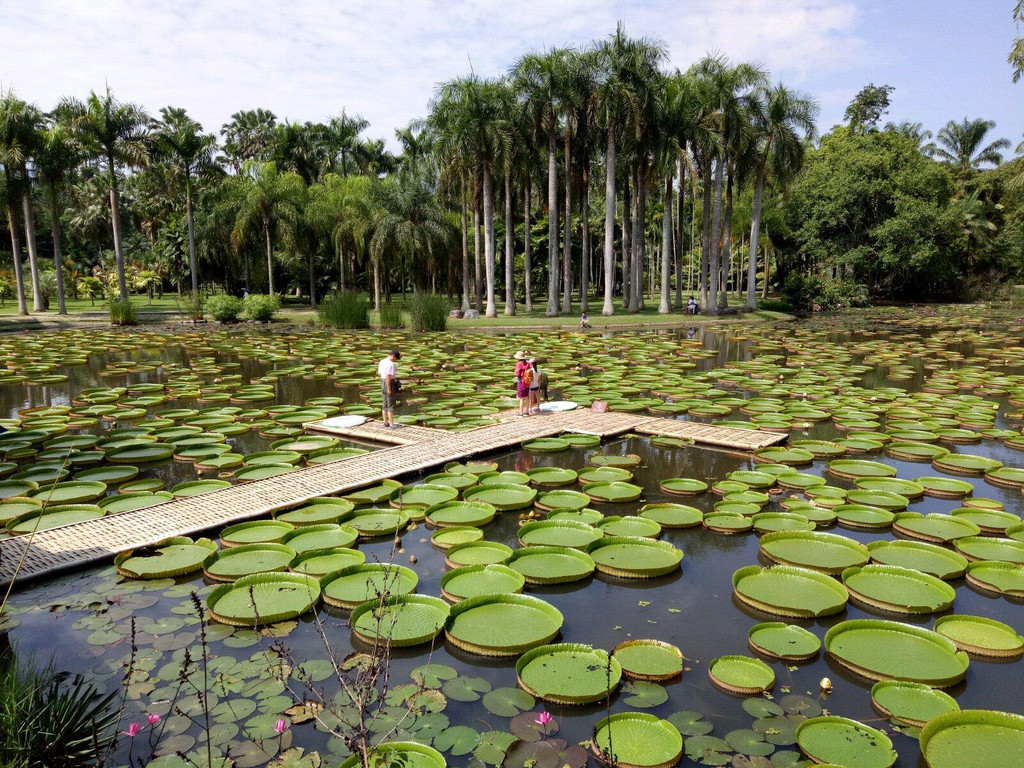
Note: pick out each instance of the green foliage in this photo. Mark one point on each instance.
(820, 294)
(51, 719)
(260, 307)
(775, 305)
(868, 106)
(123, 312)
(90, 287)
(192, 305)
(47, 286)
(873, 205)
(345, 309)
(390, 315)
(224, 307)
(429, 312)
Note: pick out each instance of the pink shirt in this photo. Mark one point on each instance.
(521, 366)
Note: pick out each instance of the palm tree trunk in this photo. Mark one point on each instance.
(636, 283)
(193, 264)
(527, 246)
(465, 251)
(489, 239)
(666, 245)
(567, 246)
(312, 280)
(115, 226)
(755, 236)
(679, 242)
(19, 278)
(705, 234)
(716, 234)
(478, 282)
(764, 288)
(552, 309)
(585, 238)
(30, 241)
(723, 300)
(270, 260)
(58, 257)
(510, 259)
(609, 225)
(376, 284)
(627, 239)
(341, 267)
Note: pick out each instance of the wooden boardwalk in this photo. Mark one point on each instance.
(97, 541)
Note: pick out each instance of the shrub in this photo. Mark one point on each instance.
(224, 308)
(260, 307)
(390, 316)
(820, 294)
(775, 305)
(429, 312)
(47, 286)
(192, 305)
(122, 312)
(345, 309)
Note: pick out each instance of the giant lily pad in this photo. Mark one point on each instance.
(558, 533)
(825, 552)
(637, 740)
(632, 557)
(551, 565)
(406, 754)
(789, 591)
(552, 476)
(976, 548)
(683, 486)
(857, 468)
(929, 558)
(911, 704)
(973, 738)
(933, 527)
(477, 553)
(168, 559)
(838, 740)
(741, 675)
(460, 513)
(423, 495)
(670, 515)
(71, 492)
(562, 498)
(889, 650)
(502, 625)
(255, 532)
(981, 636)
(649, 659)
(373, 523)
(613, 492)
(357, 584)
(445, 538)
(788, 642)
(1002, 578)
(317, 512)
(503, 497)
(233, 563)
(568, 673)
(263, 599)
(475, 580)
(403, 620)
(320, 562)
(615, 525)
(45, 518)
(896, 589)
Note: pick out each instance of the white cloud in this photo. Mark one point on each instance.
(307, 59)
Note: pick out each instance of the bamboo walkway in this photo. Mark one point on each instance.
(97, 541)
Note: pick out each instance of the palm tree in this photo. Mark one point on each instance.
(271, 203)
(470, 112)
(13, 155)
(342, 138)
(782, 121)
(249, 135)
(339, 207)
(540, 81)
(916, 132)
(116, 133)
(961, 145)
(58, 153)
(180, 140)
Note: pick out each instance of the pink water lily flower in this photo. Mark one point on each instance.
(281, 726)
(543, 718)
(133, 730)
(153, 719)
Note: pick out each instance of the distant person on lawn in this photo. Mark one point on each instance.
(584, 321)
(691, 306)
(388, 386)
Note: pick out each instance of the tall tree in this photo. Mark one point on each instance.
(58, 154)
(249, 135)
(782, 120)
(271, 203)
(179, 140)
(116, 133)
(868, 107)
(1016, 56)
(343, 142)
(540, 81)
(962, 145)
(13, 153)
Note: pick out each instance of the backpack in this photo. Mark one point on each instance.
(528, 376)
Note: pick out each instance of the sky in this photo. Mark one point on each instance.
(309, 59)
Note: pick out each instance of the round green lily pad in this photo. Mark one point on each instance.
(613, 492)
(558, 533)
(568, 673)
(637, 740)
(475, 580)
(562, 498)
(683, 486)
(324, 536)
(838, 740)
(1001, 578)
(552, 476)
(502, 625)
(403, 620)
(825, 552)
(889, 650)
(652, 660)
(403, 753)
(263, 599)
(233, 563)
(934, 527)
(669, 515)
(357, 584)
(503, 497)
(973, 738)
(741, 675)
(976, 548)
(928, 558)
(317, 512)
(546, 445)
(168, 559)
(615, 525)
(551, 565)
(320, 562)
(787, 642)
(374, 523)
(477, 553)
(897, 589)
(912, 704)
(460, 513)
(981, 636)
(445, 538)
(632, 557)
(786, 590)
(255, 532)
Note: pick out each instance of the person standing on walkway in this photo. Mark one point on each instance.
(388, 386)
(534, 386)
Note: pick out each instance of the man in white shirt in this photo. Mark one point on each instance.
(388, 390)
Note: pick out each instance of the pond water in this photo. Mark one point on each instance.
(84, 621)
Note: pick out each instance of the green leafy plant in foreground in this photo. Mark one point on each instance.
(123, 312)
(345, 309)
(429, 312)
(390, 315)
(260, 307)
(224, 308)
